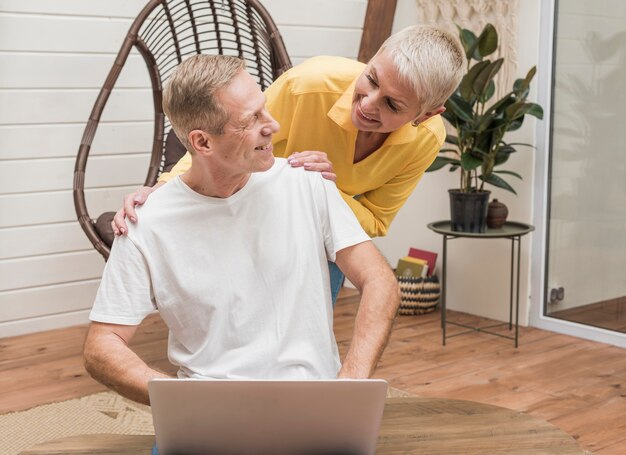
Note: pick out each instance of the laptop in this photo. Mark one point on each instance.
(294, 417)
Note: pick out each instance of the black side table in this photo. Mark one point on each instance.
(511, 230)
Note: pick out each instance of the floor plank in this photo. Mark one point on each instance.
(577, 385)
(609, 314)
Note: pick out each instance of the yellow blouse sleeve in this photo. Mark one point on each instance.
(377, 208)
(183, 165)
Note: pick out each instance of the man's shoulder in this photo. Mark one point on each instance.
(161, 204)
(163, 194)
(286, 178)
(323, 73)
(282, 171)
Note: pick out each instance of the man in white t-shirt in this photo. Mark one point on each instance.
(233, 254)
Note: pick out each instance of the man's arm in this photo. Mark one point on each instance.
(366, 268)
(109, 360)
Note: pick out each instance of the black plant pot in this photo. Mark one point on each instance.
(468, 211)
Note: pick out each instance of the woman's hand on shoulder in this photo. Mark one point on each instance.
(132, 200)
(313, 160)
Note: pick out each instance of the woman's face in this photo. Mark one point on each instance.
(382, 102)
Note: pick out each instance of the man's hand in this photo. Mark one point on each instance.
(132, 200)
(313, 160)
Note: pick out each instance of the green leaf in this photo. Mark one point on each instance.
(499, 106)
(466, 87)
(475, 52)
(459, 108)
(488, 122)
(517, 110)
(469, 42)
(440, 162)
(503, 153)
(506, 148)
(450, 139)
(485, 76)
(514, 174)
(480, 148)
(520, 89)
(488, 40)
(515, 124)
(522, 86)
(529, 76)
(536, 111)
(470, 162)
(522, 143)
(495, 180)
(453, 168)
(491, 89)
(451, 118)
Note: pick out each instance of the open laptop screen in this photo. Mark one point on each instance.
(196, 416)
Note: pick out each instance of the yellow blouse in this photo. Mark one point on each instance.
(312, 102)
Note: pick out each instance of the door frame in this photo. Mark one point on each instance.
(541, 196)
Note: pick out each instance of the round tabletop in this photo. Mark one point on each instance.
(433, 426)
(510, 229)
(438, 426)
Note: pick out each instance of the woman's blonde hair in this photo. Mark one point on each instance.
(430, 60)
(189, 97)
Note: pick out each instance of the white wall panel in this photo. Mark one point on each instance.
(82, 8)
(72, 106)
(326, 13)
(53, 269)
(63, 140)
(321, 13)
(33, 302)
(61, 34)
(43, 239)
(57, 206)
(41, 323)
(58, 173)
(307, 42)
(55, 70)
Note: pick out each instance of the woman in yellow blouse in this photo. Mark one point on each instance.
(373, 128)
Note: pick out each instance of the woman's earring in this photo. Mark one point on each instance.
(415, 123)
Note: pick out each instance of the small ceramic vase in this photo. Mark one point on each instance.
(496, 214)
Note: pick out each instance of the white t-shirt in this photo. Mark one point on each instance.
(241, 282)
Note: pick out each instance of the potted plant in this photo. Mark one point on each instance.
(481, 124)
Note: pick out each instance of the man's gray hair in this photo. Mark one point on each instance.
(431, 60)
(189, 98)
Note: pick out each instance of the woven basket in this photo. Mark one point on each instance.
(418, 295)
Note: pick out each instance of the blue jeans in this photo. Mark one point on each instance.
(336, 280)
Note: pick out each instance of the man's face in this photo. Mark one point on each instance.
(246, 145)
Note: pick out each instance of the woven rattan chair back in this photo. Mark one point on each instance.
(165, 33)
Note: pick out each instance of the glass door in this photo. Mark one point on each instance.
(585, 273)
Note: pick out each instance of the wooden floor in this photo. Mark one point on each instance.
(610, 314)
(577, 385)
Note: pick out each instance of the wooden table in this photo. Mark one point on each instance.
(410, 426)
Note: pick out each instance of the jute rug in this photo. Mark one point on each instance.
(104, 412)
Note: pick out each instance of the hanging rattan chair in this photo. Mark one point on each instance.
(165, 33)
